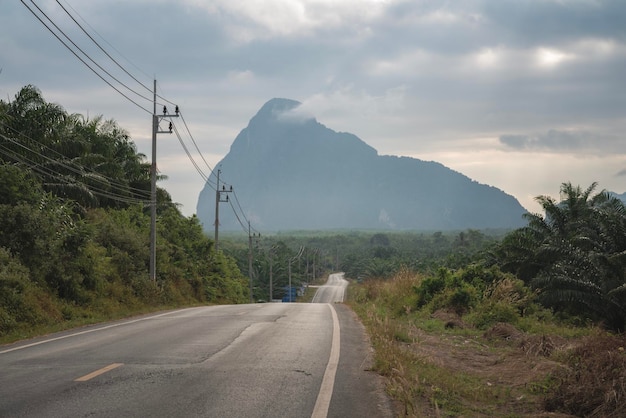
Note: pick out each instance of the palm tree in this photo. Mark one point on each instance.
(575, 255)
(91, 161)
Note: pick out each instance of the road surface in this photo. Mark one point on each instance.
(333, 291)
(255, 360)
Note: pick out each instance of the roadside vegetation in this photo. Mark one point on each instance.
(532, 327)
(74, 227)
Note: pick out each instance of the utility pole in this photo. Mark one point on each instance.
(306, 275)
(155, 126)
(218, 199)
(153, 177)
(272, 253)
(271, 274)
(250, 259)
(315, 255)
(297, 257)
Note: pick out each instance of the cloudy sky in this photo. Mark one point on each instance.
(519, 94)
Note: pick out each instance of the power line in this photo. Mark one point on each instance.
(243, 226)
(194, 143)
(118, 189)
(103, 50)
(81, 59)
(198, 169)
(207, 179)
(109, 55)
(87, 55)
(241, 209)
(34, 166)
(70, 165)
(107, 42)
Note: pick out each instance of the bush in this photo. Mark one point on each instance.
(21, 302)
(505, 300)
(492, 312)
(431, 286)
(458, 299)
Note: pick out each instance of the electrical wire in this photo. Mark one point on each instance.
(239, 205)
(87, 55)
(118, 192)
(71, 165)
(207, 179)
(182, 143)
(238, 215)
(194, 143)
(107, 42)
(109, 56)
(243, 226)
(102, 49)
(38, 168)
(77, 56)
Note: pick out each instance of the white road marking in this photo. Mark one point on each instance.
(83, 332)
(328, 382)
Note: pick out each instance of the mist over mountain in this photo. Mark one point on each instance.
(290, 172)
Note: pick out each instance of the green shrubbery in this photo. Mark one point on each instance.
(75, 226)
(97, 266)
(482, 296)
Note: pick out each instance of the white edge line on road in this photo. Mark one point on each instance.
(82, 332)
(328, 382)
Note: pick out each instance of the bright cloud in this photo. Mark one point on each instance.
(255, 19)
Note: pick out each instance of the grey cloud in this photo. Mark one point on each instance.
(565, 141)
(621, 173)
(529, 23)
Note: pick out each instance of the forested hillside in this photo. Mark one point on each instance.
(75, 221)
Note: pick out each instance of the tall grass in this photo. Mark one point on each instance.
(399, 314)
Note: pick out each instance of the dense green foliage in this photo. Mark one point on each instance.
(574, 255)
(74, 225)
(572, 258)
(360, 254)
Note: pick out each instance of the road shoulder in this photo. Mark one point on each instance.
(359, 391)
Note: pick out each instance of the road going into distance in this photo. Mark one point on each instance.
(333, 291)
(254, 360)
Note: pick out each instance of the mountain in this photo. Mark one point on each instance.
(621, 197)
(290, 172)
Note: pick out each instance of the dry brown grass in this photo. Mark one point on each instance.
(594, 383)
(440, 366)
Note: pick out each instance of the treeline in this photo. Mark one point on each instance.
(75, 225)
(362, 255)
(571, 259)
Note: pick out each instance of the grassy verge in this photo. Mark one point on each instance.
(441, 362)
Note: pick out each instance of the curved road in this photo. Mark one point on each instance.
(256, 360)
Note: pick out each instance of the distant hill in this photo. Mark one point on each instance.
(290, 172)
(621, 197)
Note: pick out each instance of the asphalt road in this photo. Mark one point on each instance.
(333, 291)
(255, 360)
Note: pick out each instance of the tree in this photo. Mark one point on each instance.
(93, 162)
(575, 255)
